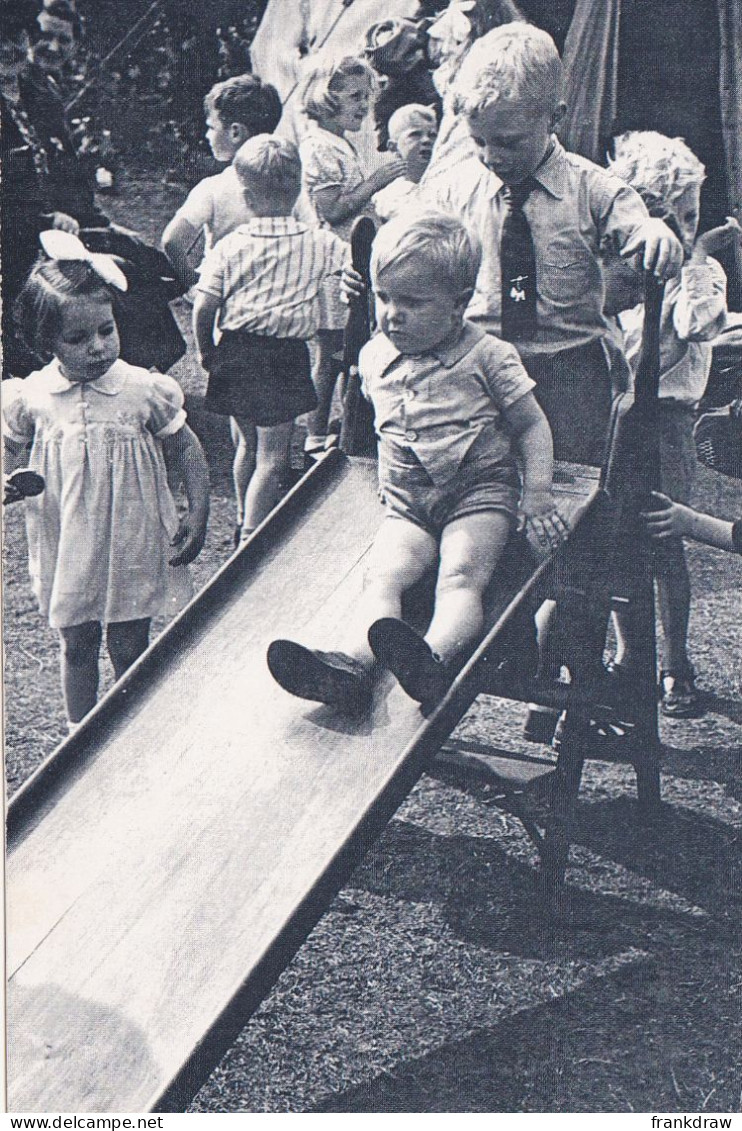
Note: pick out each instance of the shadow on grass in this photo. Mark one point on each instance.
(642, 1039)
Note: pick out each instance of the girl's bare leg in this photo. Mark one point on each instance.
(79, 667)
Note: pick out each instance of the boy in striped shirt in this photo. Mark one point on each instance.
(260, 288)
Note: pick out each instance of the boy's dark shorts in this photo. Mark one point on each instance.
(484, 481)
(267, 380)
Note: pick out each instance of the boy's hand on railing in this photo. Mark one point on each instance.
(662, 252)
(670, 520)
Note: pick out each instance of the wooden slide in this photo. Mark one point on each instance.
(168, 860)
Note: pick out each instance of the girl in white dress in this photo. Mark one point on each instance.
(101, 536)
(336, 99)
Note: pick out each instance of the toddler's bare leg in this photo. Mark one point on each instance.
(79, 666)
(243, 465)
(272, 458)
(126, 640)
(469, 552)
(402, 552)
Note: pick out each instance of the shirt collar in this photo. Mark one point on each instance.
(274, 226)
(447, 356)
(109, 384)
(550, 173)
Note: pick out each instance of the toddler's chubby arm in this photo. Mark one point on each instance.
(183, 452)
(674, 520)
(539, 514)
(205, 309)
(178, 240)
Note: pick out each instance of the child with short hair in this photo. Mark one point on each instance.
(336, 99)
(450, 405)
(236, 110)
(102, 434)
(668, 176)
(260, 285)
(543, 219)
(412, 133)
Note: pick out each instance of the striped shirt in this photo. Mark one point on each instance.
(267, 275)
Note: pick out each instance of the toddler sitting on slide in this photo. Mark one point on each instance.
(452, 406)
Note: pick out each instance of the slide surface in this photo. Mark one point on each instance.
(167, 861)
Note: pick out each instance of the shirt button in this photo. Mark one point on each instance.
(411, 436)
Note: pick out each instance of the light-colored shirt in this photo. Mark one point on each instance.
(398, 196)
(439, 402)
(694, 311)
(267, 275)
(217, 206)
(575, 209)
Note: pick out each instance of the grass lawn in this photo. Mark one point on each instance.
(431, 985)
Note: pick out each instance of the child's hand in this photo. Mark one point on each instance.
(384, 176)
(352, 285)
(63, 222)
(672, 520)
(545, 528)
(190, 540)
(718, 239)
(662, 252)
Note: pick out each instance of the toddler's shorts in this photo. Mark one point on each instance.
(267, 380)
(484, 481)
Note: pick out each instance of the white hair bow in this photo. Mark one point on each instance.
(63, 245)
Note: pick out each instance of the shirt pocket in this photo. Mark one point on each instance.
(569, 271)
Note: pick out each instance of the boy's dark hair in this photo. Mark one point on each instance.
(63, 10)
(38, 309)
(247, 100)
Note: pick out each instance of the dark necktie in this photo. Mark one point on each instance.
(517, 265)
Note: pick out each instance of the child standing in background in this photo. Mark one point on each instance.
(260, 288)
(412, 133)
(336, 99)
(668, 176)
(103, 434)
(236, 110)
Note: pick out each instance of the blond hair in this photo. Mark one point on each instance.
(319, 90)
(514, 61)
(659, 168)
(404, 117)
(438, 240)
(269, 165)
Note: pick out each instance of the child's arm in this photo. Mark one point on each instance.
(184, 454)
(662, 252)
(178, 240)
(530, 428)
(335, 204)
(674, 520)
(700, 310)
(205, 309)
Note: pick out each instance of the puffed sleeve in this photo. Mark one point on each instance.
(166, 413)
(18, 421)
(321, 165)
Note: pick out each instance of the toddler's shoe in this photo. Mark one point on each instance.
(421, 674)
(325, 677)
(679, 696)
